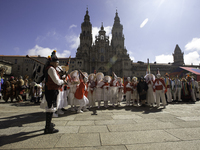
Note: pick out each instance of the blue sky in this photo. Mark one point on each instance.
(152, 28)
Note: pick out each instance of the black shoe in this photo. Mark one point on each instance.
(52, 125)
(50, 131)
(63, 109)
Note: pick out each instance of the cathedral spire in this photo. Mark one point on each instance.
(102, 28)
(178, 56)
(87, 17)
(117, 20)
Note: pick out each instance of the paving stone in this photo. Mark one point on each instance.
(67, 129)
(181, 145)
(192, 118)
(176, 127)
(88, 129)
(132, 116)
(10, 130)
(79, 140)
(42, 123)
(156, 115)
(80, 123)
(67, 118)
(146, 120)
(24, 140)
(141, 126)
(120, 147)
(169, 119)
(107, 122)
(185, 133)
(118, 138)
(93, 117)
(188, 124)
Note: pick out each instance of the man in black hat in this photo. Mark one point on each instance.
(52, 84)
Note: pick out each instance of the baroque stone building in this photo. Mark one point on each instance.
(101, 55)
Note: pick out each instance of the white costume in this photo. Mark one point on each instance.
(99, 90)
(114, 90)
(151, 97)
(134, 95)
(127, 90)
(120, 90)
(91, 91)
(106, 90)
(160, 89)
(73, 84)
(191, 83)
(62, 100)
(168, 85)
(37, 92)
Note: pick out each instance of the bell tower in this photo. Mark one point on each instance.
(178, 56)
(85, 37)
(117, 33)
(86, 31)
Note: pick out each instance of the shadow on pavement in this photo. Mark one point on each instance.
(8, 139)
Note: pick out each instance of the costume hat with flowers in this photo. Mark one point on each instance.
(167, 75)
(53, 57)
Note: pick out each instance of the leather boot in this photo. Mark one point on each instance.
(49, 127)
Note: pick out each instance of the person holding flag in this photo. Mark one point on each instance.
(160, 89)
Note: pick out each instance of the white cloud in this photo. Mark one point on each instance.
(51, 35)
(131, 55)
(45, 52)
(73, 26)
(164, 58)
(144, 23)
(193, 45)
(192, 58)
(73, 40)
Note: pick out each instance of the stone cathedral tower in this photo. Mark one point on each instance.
(178, 56)
(101, 55)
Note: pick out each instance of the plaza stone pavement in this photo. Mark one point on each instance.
(122, 128)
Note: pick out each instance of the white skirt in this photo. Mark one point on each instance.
(82, 102)
(62, 99)
(99, 94)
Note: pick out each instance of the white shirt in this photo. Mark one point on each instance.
(55, 78)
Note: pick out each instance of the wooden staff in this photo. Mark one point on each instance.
(35, 60)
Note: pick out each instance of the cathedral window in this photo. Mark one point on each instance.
(102, 37)
(18, 67)
(93, 68)
(102, 50)
(102, 58)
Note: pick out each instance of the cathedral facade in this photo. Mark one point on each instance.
(101, 56)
